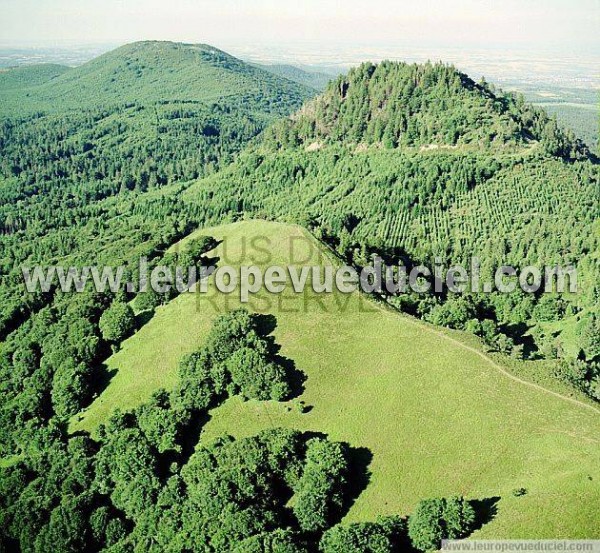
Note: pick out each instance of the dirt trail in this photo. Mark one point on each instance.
(499, 368)
(483, 356)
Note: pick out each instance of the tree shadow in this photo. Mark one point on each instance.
(143, 318)
(104, 375)
(394, 255)
(360, 459)
(518, 333)
(190, 436)
(485, 510)
(205, 268)
(294, 377)
(265, 325)
(210, 261)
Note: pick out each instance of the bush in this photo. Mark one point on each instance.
(438, 519)
(384, 536)
(147, 301)
(278, 541)
(199, 246)
(256, 377)
(117, 322)
(454, 313)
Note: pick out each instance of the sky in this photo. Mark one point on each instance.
(540, 24)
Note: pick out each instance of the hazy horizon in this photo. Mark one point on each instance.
(539, 25)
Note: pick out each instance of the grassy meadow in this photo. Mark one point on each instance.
(436, 417)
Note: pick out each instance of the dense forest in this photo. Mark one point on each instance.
(108, 129)
(397, 104)
(127, 154)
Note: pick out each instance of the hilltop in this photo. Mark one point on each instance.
(152, 71)
(398, 105)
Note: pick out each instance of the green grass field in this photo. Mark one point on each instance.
(438, 417)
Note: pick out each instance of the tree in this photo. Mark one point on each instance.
(106, 527)
(459, 517)
(127, 469)
(320, 490)
(455, 312)
(384, 536)
(161, 423)
(589, 339)
(230, 332)
(71, 387)
(25, 361)
(504, 344)
(489, 331)
(256, 377)
(200, 245)
(438, 519)
(425, 525)
(117, 322)
(148, 301)
(201, 381)
(67, 529)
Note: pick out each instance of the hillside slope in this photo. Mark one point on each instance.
(29, 75)
(306, 77)
(437, 418)
(371, 166)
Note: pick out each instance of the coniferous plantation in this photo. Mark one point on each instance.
(128, 154)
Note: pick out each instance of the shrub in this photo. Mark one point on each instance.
(256, 377)
(117, 322)
(438, 519)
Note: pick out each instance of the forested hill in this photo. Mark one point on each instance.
(105, 124)
(417, 162)
(134, 120)
(152, 71)
(397, 104)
